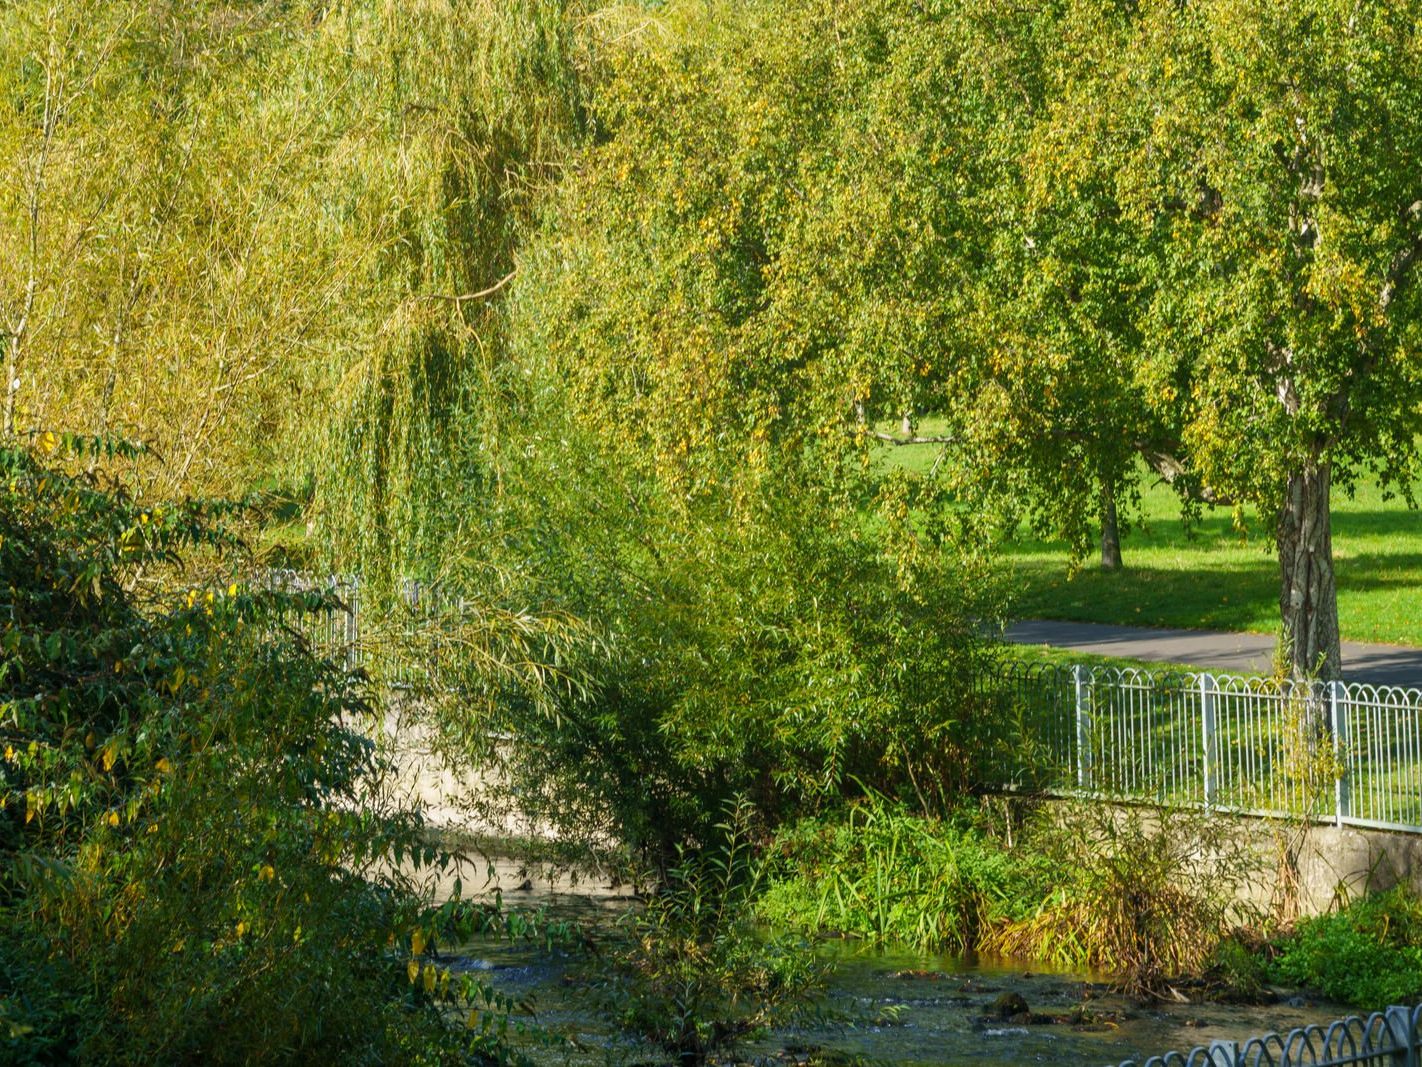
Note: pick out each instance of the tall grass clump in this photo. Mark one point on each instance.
(1143, 894)
(884, 874)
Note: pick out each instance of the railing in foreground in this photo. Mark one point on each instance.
(1340, 752)
(1391, 1038)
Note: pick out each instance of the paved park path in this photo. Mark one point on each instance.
(1376, 664)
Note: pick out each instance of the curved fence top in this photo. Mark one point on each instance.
(1391, 1038)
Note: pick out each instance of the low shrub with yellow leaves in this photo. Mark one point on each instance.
(195, 844)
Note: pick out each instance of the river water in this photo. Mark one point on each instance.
(890, 1007)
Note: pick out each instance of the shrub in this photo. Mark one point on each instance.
(1146, 894)
(1368, 955)
(691, 972)
(198, 855)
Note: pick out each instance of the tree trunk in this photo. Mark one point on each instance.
(1110, 531)
(1308, 598)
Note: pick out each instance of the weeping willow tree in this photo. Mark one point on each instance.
(270, 239)
(461, 114)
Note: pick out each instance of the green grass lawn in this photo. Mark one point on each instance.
(1214, 576)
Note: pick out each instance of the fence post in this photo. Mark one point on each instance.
(1404, 1039)
(1338, 719)
(1224, 1054)
(1209, 738)
(352, 623)
(1081, 676)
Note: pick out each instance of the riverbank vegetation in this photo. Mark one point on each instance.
(1146, 897)
(1157, 901)
(200, 855)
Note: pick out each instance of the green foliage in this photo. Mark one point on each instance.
(477, 106)
(248, 233)
(779, 652)
(691, 971)
(688, 474)
(199, 856)
(884, 874)
(1237, 973)
(1368, 955)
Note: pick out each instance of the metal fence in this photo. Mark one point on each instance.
(1335, 751)
(1391, 1038)
(338, 630)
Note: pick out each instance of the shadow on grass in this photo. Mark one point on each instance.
(1218, 593)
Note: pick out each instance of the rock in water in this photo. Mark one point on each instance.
(1008, 1006)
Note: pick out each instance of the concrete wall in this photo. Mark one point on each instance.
(1347, 862)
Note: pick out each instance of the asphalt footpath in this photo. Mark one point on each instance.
(1374, 664)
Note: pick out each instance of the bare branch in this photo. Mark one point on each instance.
(1401, 265)
(480, 295)
(1174, 473)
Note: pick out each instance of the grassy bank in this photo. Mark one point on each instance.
(1220, 574)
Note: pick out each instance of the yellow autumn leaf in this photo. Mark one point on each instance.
(164, 767)
(267, 872)
(431, 973)
(232, 589)
(107, 758)
(413, 970)
(417, 942)
(113, 818)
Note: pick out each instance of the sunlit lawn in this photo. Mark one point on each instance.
(1216, 577)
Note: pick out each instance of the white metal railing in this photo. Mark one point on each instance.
(1344, 752)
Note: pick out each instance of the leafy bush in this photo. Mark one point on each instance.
(778, 650)
(197, 858)
(1368, 955)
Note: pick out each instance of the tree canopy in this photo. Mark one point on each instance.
(1263, 158)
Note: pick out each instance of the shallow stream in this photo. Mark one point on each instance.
(903, 1008)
